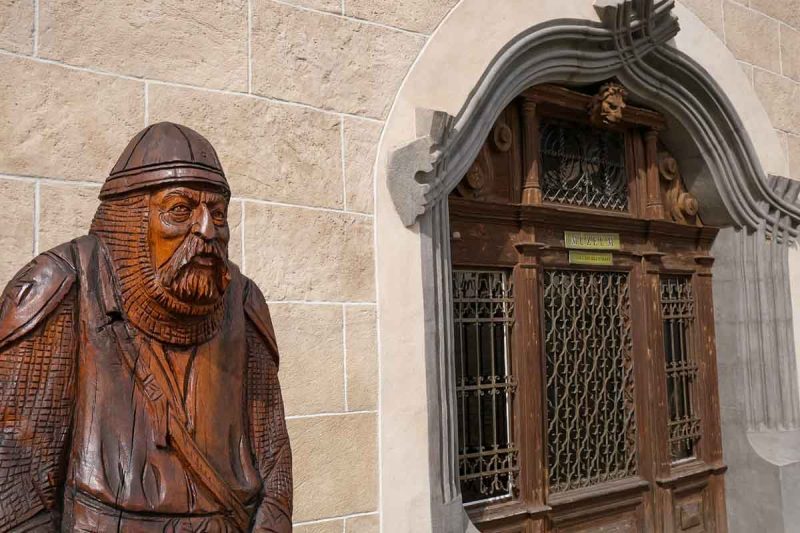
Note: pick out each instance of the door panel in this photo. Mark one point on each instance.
(621, 523)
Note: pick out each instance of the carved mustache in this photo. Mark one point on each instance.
(192, 247)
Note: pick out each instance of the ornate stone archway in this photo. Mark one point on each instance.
(731, 161)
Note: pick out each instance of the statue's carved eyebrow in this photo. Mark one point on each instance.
(211, 197)
(189, 194)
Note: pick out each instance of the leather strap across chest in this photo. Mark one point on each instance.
(168, 412)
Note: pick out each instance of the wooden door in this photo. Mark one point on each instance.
(584, 346)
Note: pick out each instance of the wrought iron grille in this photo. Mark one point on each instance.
(483, 308)
(591, 425)
(583, 166)
(678, 314)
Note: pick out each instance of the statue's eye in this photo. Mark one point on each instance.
(180, 212)
(219, 216)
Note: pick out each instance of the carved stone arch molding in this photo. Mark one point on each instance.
(731, 161)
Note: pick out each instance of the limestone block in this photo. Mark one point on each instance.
(710, 12)
(790, 52)
(794, 156)
(786, 10)
(779, 96)
(362, 357)
(332, 526)
(312, 357)
(363, 524)
(748, 71)
(308, 254)
(16, 232)
(360, 145)
(235, 228)
(65, 212)
(59, 122)
(415, 15)
(269, 151)
(335, 465)
(328, 61)
(752, 37)
(197, 42)
(331, 6)
(16, 25)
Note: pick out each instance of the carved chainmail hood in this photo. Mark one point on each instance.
(121, 223)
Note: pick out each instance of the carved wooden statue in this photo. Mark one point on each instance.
(138, 366)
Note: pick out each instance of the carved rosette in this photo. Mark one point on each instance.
(502, 136)
(479, 178)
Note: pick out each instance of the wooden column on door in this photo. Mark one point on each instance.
(531, 188)
(655, 204)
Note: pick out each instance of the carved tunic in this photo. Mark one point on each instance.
(65, 385)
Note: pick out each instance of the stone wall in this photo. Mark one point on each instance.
(765, 36)
(293, 96)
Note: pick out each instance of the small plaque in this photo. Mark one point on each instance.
(590, 258)
(589, 240)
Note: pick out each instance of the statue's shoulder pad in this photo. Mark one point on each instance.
(35, 292)
(255, 306)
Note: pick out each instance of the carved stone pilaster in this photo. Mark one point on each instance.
(753, 266)
(758, 379)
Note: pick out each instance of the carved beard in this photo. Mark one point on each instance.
(122, 225)
(186, 279)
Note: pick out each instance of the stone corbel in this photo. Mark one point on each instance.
(423, 158)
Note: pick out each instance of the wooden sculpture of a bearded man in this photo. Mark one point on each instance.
(138, 366)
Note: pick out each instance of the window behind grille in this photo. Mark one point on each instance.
(678, 315)
(483, 316)
(591, 426)
(583, 166)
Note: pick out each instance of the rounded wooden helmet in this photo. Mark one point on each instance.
(165, 153)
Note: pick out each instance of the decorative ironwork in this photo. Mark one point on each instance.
(483, 315)
(678, 314)
(591, 424)
(583, 166)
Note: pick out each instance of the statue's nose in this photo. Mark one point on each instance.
(204, 227)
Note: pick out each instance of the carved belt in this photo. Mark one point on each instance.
(83, 512)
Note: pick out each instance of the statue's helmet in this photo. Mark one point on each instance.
(162, 154)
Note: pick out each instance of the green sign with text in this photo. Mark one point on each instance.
(590, 258)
